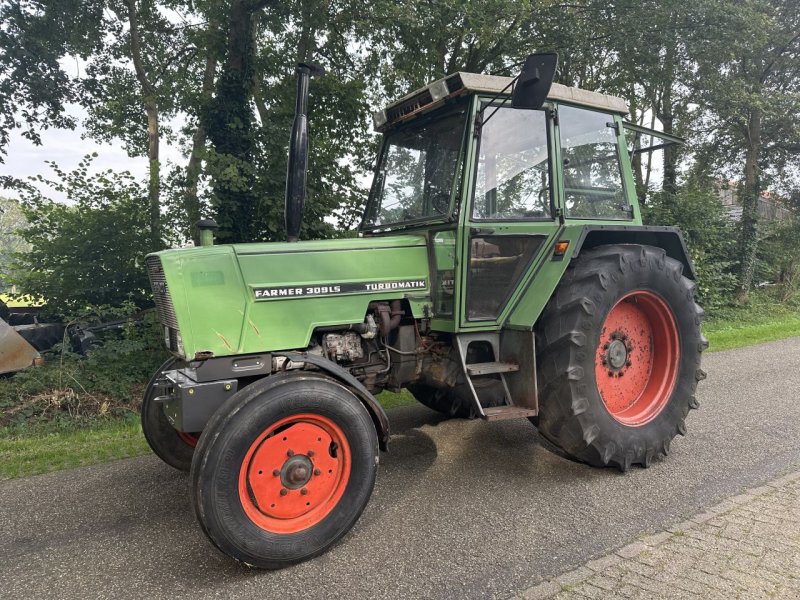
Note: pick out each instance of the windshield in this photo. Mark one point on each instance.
(415, 178)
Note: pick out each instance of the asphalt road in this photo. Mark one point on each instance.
(461, 509)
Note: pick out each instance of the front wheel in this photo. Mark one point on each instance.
(284, 469)
(619, 356)
(172, 446)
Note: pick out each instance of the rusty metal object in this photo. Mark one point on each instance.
(15, 353)
(389, 315)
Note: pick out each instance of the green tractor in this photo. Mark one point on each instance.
(501, 271)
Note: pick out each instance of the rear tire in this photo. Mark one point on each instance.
(284, 469)
(619, 357)
(174, 447)
(457, 402)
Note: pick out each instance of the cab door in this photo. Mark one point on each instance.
(511, 220)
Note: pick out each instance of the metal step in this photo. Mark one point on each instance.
(496, 413)
(488, 368)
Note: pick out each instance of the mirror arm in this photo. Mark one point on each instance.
(496, 96)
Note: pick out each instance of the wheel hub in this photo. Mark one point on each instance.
(617, 354)
(296, 471)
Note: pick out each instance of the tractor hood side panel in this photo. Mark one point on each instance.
(294, 288)
(253, 298)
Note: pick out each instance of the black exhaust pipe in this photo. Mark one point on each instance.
(298, 153)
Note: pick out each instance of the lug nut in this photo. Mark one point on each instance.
(276, 472)
(628, 363)
(284, 491)
(629, 348)
(611, 373)
(620, 374)
(304, 491)
(317, 471)
(605, 346)
(310, 453)
(290, 453)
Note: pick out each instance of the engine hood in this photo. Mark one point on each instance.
(247, 298)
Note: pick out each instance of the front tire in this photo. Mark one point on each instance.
(174, 447)
(619, 358)
(284, 469)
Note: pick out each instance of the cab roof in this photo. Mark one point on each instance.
(435, 93)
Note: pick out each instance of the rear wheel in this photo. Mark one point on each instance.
(619, 356)
(458, 402)
(284, 469)
(172, 446)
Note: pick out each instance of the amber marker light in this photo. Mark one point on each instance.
(561, 248)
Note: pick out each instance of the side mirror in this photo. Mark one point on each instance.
(534, 81)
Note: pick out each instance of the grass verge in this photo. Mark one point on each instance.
(51, 449)
(764, 320)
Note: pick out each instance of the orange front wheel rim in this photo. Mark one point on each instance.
(637, 358)
(294, 473)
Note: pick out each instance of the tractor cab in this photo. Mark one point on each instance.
(495, 184)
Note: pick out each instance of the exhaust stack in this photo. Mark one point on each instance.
(298, 153)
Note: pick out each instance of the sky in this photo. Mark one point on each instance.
(66, 148)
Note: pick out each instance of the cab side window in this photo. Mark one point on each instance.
(592, 177)
(513, 176)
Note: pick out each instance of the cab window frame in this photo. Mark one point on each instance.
(457, 184)
(625, 215)
(485, 103)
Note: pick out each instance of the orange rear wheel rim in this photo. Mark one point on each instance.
(637, 358)
(294, 473)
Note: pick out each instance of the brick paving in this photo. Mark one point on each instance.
(745, 547)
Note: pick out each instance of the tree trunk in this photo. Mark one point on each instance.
(154, 180)
(228, 124)
(666, 115)
(670, 183)
(748, 233)
(153, 136)
(194, 166)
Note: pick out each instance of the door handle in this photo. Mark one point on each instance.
(480, 231)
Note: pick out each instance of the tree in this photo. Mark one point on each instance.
(34, 36)
(12, 221)
(228, 122)
(88, 252)
(749, 90)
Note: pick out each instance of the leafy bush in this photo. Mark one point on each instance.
(89, 251)
(710, 237)
(73, 390)
(779, 257)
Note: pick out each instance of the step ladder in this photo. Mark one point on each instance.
(520, 396)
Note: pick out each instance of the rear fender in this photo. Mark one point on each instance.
(668, 238)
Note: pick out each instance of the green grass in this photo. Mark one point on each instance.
(32, 451)
(393, 400)
(763, 320)
(43, 450)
